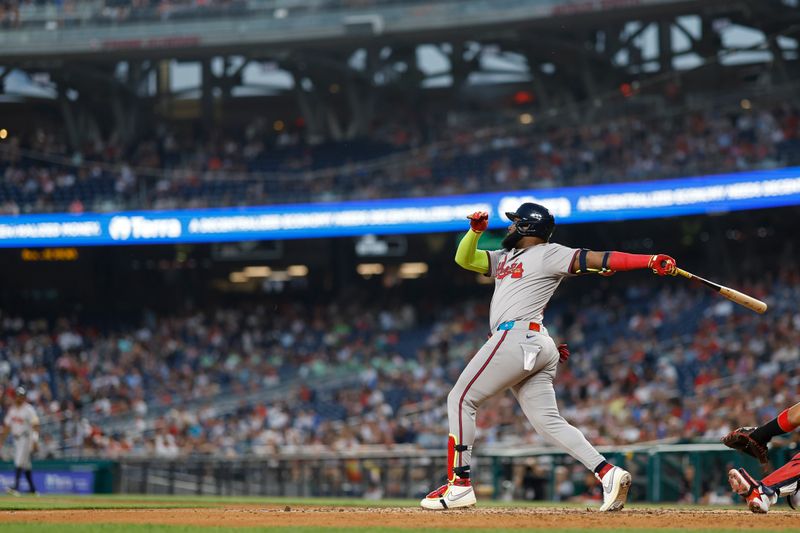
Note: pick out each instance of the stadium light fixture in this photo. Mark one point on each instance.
(369, 269)
(281, 276)
(526, 118)
(257, 271)
(3, 133)
(412, 270)
(297, 271)
(238, 277)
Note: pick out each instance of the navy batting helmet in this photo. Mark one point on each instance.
(533, 220)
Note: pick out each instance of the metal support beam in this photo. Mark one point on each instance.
(665, 45)
(361, 99)
(6, 71)
(777, 59)
(587, 76)
(627, 42)
(206, 93)
(310, 108)
(68, 116)
(678, 25)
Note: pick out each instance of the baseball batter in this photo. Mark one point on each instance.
(22, 422)
(520, 354)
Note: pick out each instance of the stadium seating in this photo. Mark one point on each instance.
(261, 168)
(651, 364)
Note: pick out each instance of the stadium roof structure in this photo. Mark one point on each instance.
(87, 33)
(566, 52)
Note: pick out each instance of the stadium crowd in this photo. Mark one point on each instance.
(648, 364)
(259, 166)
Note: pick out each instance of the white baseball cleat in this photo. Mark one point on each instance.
(450, 496)
(616, 484)
(752, 491)
(12, 492)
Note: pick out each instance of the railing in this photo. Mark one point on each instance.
(661, 472)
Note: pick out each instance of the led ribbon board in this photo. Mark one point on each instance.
(570, 205)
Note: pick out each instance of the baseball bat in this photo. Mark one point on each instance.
(731, 294)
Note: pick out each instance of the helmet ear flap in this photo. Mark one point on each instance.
(523, 227)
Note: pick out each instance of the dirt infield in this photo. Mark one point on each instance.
(313, 516)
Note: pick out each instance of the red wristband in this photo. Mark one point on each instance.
(620, 261)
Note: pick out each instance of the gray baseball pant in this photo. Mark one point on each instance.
(524, 361)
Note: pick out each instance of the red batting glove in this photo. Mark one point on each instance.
(563, 353)
(479, 221)
(663, 265)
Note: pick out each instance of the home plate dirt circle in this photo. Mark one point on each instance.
(287, 516)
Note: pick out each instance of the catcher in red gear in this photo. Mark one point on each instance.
(785, 481)
(753, 440)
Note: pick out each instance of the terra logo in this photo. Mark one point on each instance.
(120, 228)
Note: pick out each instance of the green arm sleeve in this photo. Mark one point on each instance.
(469, 257)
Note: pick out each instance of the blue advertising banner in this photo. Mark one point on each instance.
(570, 205)
(53, 482)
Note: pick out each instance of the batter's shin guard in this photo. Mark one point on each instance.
(453, 449)
(785, 479)
(451, 457)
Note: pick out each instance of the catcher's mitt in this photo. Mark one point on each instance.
(740, 439)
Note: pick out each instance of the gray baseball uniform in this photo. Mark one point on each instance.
(519, 356)
(21, 421)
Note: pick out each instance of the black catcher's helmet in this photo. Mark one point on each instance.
(533, 220)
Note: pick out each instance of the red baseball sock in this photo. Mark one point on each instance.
(776, 426)
(603, 468)
(783, 422)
